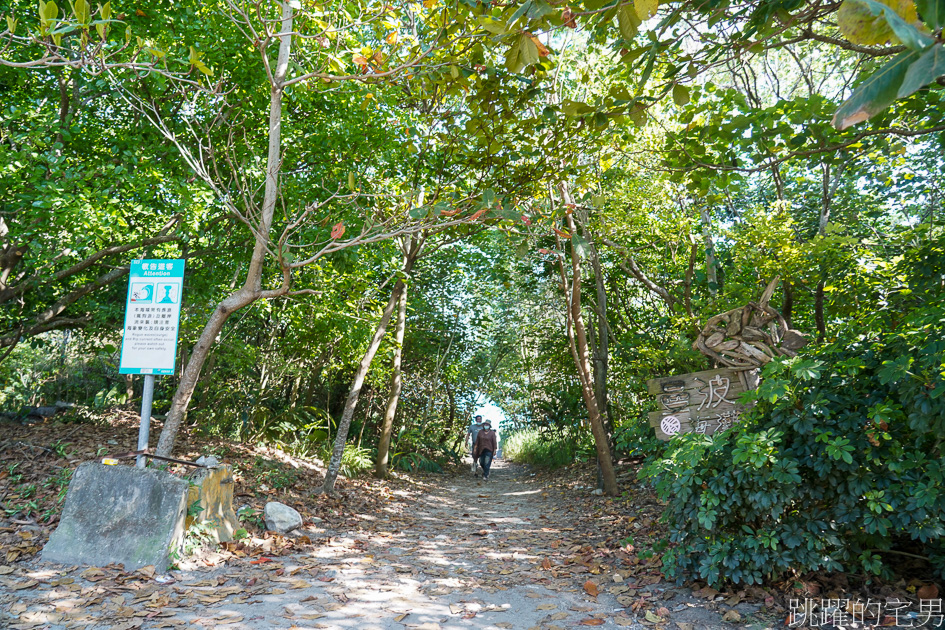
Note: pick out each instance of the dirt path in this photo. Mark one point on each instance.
(443, 552)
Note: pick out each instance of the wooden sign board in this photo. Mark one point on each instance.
(704, 402)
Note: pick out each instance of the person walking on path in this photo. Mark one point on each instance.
(471, 434)
(485, 448)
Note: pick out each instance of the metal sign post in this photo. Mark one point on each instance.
(152, 319)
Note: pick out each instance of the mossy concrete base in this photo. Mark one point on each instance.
(133, 516)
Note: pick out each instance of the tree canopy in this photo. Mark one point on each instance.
(392, 212)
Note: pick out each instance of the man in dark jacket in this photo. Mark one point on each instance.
(485, 448)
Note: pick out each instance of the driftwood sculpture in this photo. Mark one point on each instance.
(749, 336)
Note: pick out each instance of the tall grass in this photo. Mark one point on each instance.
(545, 449)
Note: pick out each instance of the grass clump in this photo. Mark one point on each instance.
(544, 448)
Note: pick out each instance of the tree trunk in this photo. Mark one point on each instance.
(583, 364)
(819, 313)
(602, 347)
(341, 435)
(250, 291)
(824, 221)
(396, 384)
(411, 252)
(710, 268)
(787, 307)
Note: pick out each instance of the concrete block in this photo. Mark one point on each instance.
(133, 516)
(213, 488)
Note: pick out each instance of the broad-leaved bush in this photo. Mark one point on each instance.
(840, 464)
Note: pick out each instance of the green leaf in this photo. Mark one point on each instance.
(519, 54)
(496, 28)
(876, 93)
(418, 212)
(808, 369)
(82, 10)
(351, 182)
(105, 10)
(579, 245)
(575, 109)
(48, 10)
(892, 371)
(927, 68)
(680, 95)
(522, 10)
(11, 25)
(628, 21)
(932, 12)
(539, 10)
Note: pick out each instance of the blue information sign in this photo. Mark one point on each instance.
(152, 315)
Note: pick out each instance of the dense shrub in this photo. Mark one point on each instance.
(840, 465)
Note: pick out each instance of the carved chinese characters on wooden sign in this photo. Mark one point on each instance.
(704, 402)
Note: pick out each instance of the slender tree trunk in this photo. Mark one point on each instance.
(294, 391)
(787, 307)
(412, 251)
(341, 435)
(583, 364)
(710, 267)
(368, 413)
(601, 358)
(396, 385)
(602, 347)
(250, 291)
(819, 317)
(819, 312)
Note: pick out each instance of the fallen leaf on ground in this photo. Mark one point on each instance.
(652, 618)
(929, 591)
(591, 589)
(732, 616)
(591, 621)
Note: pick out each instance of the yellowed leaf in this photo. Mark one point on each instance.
(653, 618)
(645, 8)
(861, 27)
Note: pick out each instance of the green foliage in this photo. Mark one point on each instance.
(354, 460)
(272, 473)
(414, 462)
(197, 537)
(547, 450)
(922, 62)
(841, 461)
(250, 516)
